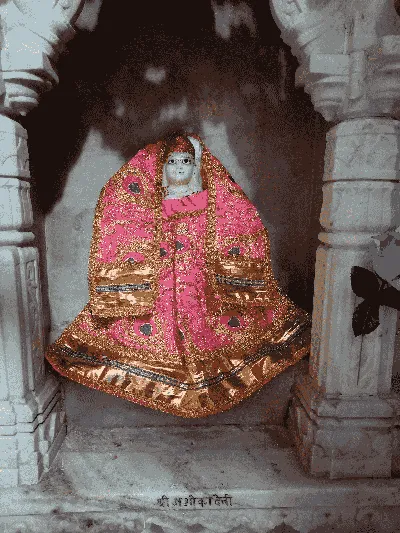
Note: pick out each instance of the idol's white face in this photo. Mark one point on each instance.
(179, 168)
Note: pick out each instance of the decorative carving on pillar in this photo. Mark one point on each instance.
(32, 422)
(349, 54)
(342, 416)
(33, 35)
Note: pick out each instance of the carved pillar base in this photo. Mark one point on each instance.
(31, 433)
(341, 437)
(32, 424)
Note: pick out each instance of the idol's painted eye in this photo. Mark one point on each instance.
(187, 161)
(171, 161)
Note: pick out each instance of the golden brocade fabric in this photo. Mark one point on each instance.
(185, 315)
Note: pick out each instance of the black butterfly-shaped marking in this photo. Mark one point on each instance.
(376, 292)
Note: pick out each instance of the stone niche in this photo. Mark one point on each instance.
(139, 74)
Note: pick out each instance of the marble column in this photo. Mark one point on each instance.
(32, 420)
(342, 415)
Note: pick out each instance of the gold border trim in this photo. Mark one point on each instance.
(264, 351)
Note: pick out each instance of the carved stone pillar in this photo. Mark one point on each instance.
(349, 53)
(32, 425)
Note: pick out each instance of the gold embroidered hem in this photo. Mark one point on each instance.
(169, 390)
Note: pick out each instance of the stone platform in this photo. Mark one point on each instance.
(231, 479)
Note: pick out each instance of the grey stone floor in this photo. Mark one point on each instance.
(231, 479)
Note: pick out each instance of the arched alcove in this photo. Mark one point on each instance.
(222, 72)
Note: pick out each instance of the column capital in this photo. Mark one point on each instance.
(33, 35)
(349, 53)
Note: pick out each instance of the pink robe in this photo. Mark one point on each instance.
(189, 351)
